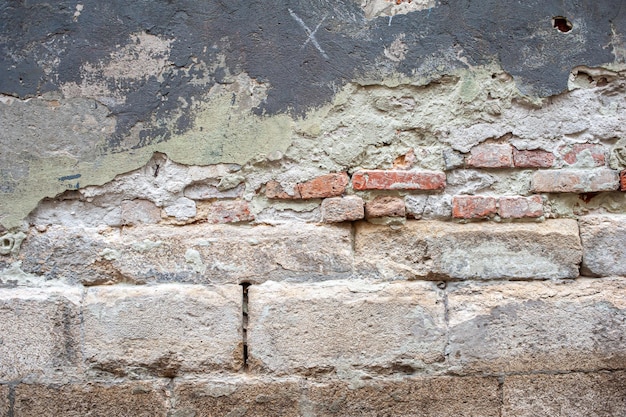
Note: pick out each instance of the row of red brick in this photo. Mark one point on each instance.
(543, 181)
(491, 155)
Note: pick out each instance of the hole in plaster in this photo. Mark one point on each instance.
(7, 243)
(562, 24)
(244, 322)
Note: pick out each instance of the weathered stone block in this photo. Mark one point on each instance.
(136, 212)
(39, 332)
(435, 250)
(601, 394)
(140, 399)
(162, 330)
(341, 209)
(199, 254)
(537, 326)
(575, 181)
(604, 244)
(491, 155)
(238, 396)
(4, 400)
(424, 397)
(345, 327)
(398, 180)
(234, 211)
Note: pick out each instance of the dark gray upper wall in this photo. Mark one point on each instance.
(43, 47)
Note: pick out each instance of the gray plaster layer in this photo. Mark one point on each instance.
(537, 326)
(604, 244)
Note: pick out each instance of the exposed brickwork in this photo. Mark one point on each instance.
(341, 209)
(491, 156)
(532, 159)
(622, 180)
(233, 211)
(575, 181)
(473, 207)
(586, 153)
(398, 180)
(385, 206)
(330, 185)
(520, 207)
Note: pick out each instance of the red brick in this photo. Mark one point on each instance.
(342, 209)
(575, 181)
(473, 207)
(490, 155)
(622, 180)
(571, 155)
(520, 207)
(330, 185)
(233, 211)
(532, 159)
(385, 206)
(398, 180)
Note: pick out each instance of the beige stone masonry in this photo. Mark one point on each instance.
(345, 327)
(604, 244)
(196, 254)
(137, 399)
(572, 395)
(162, 330)
(435, 250)
(512, 327)
(39, 332)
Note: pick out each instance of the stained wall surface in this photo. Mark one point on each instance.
(408, 208)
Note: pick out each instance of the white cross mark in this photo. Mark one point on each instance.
(309, 33)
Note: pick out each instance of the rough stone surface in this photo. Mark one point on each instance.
(4, 400)
(204, 191)
(433, 250)
(520, 207)
(137, 212)
(340, 209)
(162, 330)
(427, 397)
(575, 181)
(398, 180)
(385, 206)
(604, 249)
(537, 326)
(238, 396)
(600, 394)
(225, 254)
(39, 332)
(141, 399)
(234, 211)
(345, 328)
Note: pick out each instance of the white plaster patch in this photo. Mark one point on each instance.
(375, 8)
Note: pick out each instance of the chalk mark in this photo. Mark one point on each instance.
(311, 34)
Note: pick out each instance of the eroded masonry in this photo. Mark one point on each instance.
(357, 208)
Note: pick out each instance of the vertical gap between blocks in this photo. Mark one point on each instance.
(11, 410)
(244, 323)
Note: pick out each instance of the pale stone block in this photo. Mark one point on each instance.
(441, 250)
(39, 332)
(537, 326)
(424, 397)
(200, 253)
(137, 399)
(573, 395)
(604, 244)
(238, 396)
(345, 326)
(162, 330)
